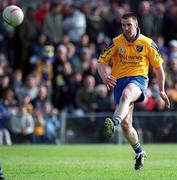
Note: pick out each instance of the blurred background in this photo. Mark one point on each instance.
(50, 91)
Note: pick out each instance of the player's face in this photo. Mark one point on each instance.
(129, 27)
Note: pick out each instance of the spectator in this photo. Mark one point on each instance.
(42, 97)
(85, 59)
(173, 95)
(169, 22)
(62, 82)
(24, 36)
(22, 125)
(9, 99)
(172, 49)
(85, 94)
(115, 25)
(16, 83)
(4, 84)
(72, 57)
(37, 48)
(5, 137)
(42, 11)
(52, 124)
(53, 23)
(4, 67)
(159, 11)
(74, 86)
(172, 72)
(162, 47)
(30, 87)
(75, 23)
(101, 101)
(95, 24)
(59, 59)
(146, 18)
(92, 70)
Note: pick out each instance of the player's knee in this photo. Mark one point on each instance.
(125, 95)
(125, 125)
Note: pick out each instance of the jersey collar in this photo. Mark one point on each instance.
(137, 35)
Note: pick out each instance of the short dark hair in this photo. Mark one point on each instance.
(129, 15)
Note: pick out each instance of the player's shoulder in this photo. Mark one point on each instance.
(112, 43)
(148, 42)
(118, 38)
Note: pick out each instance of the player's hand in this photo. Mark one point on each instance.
(110, 82)
(165, 98)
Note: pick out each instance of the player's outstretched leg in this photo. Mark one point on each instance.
(140, 158)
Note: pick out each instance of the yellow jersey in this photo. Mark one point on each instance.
(131, 58)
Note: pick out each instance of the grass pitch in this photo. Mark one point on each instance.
(87, 162)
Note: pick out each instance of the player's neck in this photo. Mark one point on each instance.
(133, 38)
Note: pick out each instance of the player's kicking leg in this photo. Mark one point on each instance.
(123, 115)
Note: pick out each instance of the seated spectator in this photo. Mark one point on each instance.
(52, 124)
(21, 125)
(38, 46)
(61, 86)
(100, 103)
(4, 85)
(73, 87)
(30, 87)
(59, 59)
(92, 70)
(16, 83)
(85, 94)
(72, 57)
(42, 97)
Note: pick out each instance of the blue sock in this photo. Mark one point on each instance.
(116, 120)
(137, 148)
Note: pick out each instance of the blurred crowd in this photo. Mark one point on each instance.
(48, 64)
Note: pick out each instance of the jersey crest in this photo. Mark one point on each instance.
(121, 49)
(139, 48)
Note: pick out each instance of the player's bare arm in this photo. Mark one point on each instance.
(161, 81)
(107, 79)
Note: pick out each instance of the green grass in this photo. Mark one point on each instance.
(87, 162)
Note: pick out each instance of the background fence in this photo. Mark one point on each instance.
(152, 127)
